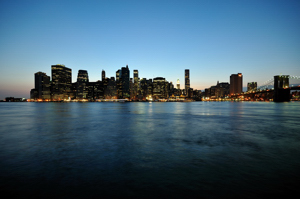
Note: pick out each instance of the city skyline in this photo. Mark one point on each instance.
(159, 38)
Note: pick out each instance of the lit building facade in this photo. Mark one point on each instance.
(160, 88)
(61, 82)
(236, 83)
(136, 82)
(82, 84)
(187, 80)
(146, 89)
(123, 84)
(252, 86)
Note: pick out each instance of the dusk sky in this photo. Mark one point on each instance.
(213, 39)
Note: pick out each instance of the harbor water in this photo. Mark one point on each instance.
(150, 150)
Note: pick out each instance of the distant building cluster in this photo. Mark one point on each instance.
(60, 87)
(225, 89)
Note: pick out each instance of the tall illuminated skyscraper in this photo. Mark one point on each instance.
(160, 88)
(178, 84)
(187, 80)
(236, 83)
(82, 81)
(61, 81)
(123, 78)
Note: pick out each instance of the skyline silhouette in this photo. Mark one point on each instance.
(159, 38)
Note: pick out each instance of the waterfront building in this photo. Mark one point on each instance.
(252, 86)
(207, 93)
(236, 83)
(42, 87)
(160, 88)
(95, 90)
(221, 90)
(136, 82)
(143, 89)
(82, 83)
(197, 94)
(123, 77)
(111, 91)
(187, 81)
(61, 82)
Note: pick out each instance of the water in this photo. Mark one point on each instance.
(150, 150)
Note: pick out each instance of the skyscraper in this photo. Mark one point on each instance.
(123, 84)
(178, 84)
(61, 82)
(42, 86)
(236, 83)
(82, 87)
(160, 88)
(187, 80)
(136, 82)
(103, 75)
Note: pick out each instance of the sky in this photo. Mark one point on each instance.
(213, 39)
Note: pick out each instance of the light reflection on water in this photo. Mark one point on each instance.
(198, 149)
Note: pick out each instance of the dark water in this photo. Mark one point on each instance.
(150, 150)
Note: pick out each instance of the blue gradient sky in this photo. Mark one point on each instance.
(213, 39)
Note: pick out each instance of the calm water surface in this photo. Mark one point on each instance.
(150, 150)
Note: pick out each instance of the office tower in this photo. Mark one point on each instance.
(123, 85)
(95, 90)
(125, 77)
(110, 91)
(42, 86)
(252, 86)
(178, 84)
(236, 83)
(82, 81)
(160, 88)
(187, 80)
(61, 82)
(103, 75)
(136, 82)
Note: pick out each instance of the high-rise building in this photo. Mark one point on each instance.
(187, 80)
(42, 86)
(82, 87)
(178, 84)
(103, 75)
(123, 89)
(160, 88)
(236, 83)
(110, 91)
(61, 82)
(252, 86)
(136, 82)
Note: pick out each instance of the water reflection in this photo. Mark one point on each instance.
(154, 149)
